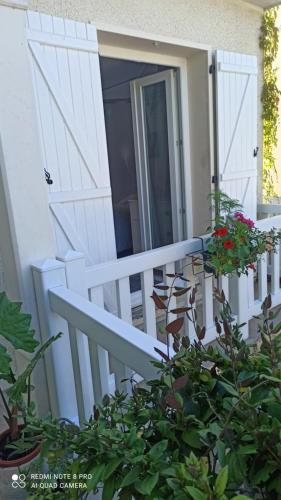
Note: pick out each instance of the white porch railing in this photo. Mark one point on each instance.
(70, 298)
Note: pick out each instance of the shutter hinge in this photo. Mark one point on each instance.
(212, 68)
(215, 179)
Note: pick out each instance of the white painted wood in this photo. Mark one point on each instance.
(121, 373)
(124, 299)
(251, 290)
(207, 299)
(236, 68)
(262, 277)
(149, 316)
(53, 40)
(66, 75)
(73, 333)
(104, 376)
(59, 368)
(127, 266)
(128, 344)
(75, 280)
(85, 194)
(224, 285)
(240, 301)
(170, 269)
(236, 82)
(275, 271)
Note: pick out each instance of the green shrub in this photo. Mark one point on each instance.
(208, 428)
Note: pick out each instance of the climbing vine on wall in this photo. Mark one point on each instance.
(270, 100)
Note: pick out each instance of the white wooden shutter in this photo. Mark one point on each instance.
(236, 86)
(67, 85)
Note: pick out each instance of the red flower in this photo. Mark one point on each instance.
(221, 231)
(228, 244)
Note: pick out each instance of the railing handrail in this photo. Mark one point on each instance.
(113, 270)
(108, 331)
(271, 222)
(100, 274)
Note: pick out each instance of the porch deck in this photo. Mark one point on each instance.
(100, 348)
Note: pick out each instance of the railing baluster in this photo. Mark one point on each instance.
(187, 270)
(275, 271)
(170, 269)
(149, 315)
(98, 355)
(207, 299)
(124, 299)
(98, 370)
(77, 374)
(224, 285)
(262, 277)
(251, 290)
(124, 312)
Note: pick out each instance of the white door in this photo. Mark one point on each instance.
(66, 74)
(157, 142)
(236, 89)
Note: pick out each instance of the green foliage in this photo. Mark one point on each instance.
(207, 429)
(15, 330)
(236, 244)
(269, 41)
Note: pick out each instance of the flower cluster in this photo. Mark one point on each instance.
(236, 243)
(239, 216)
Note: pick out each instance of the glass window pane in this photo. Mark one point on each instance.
(158, 167)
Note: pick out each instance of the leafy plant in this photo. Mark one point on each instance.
(236, 244)
(16, 332)
(207, 429)
(269, 42)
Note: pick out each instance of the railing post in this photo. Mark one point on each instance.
(75, 279)
(91, 361)
(47, 275)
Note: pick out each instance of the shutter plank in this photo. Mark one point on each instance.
(236, 89)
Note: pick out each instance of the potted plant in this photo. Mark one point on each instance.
(17, 447)
(236, 244)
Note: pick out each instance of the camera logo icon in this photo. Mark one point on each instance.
(18, 481)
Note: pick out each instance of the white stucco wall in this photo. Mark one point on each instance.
(225, 24)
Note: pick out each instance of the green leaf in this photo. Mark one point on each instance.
(16, 391)
(5, 362)
(15, 325)
(195, 493)
(250, 449)
(192, 438)
(111, 467)
(131, 477)
(108, 489)
(229, 388)
(146, 486)
(221, 481)
(96, 473)
(241, 497)
(158, 449)
(272, 379)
